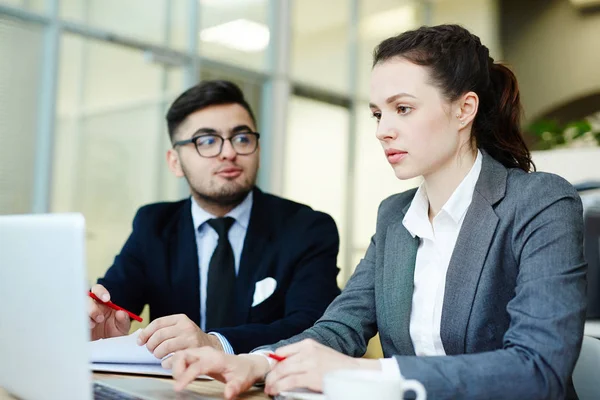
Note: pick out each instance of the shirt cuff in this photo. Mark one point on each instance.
(390, 368)
(224, 342)
(264, 354)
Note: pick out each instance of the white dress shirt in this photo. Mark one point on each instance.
(436, 244)
(206, 243)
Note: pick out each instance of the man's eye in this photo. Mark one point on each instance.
(242, 138)
(206, 141)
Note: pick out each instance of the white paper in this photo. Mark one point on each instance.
(121, 350)
(123, 355)
(263, 290)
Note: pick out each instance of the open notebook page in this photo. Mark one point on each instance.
(121, 350)
(123, 355)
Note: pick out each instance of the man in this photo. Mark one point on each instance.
(231, 267)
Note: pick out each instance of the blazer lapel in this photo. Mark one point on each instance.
(185, 268)
(470, 251)
(398, 283)
(257, 237)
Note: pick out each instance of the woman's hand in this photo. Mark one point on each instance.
(238, 373)
(306, 364)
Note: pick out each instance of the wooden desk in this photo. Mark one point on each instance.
(208, 388)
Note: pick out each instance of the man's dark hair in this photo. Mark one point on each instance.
(203, 95)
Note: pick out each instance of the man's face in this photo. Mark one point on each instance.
(227, 178)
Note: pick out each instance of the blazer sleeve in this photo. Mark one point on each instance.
(547, 313)
(312, 288)
(125, 279)
(350, 321)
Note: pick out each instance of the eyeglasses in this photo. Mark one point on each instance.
(211, 145)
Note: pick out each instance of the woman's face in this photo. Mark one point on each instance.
(417, 128)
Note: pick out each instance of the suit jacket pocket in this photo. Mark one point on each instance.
(269, 310)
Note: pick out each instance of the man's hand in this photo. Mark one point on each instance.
(237, 372)
(305, 365)
(104, 321)
(175, 332)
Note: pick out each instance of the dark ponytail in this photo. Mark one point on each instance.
(459, 63)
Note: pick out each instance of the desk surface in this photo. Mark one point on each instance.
(208, 388)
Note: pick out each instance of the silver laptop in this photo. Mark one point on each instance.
(43, 319)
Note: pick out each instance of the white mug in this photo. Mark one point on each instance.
(369, 384)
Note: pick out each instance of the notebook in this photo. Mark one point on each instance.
(122, 354)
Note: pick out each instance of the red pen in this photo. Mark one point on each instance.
(275, 357)
(115, 307)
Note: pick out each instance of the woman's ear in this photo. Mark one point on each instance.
(466, 108)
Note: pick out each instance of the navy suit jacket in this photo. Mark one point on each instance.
(287, 241)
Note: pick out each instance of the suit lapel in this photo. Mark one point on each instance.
(463, 274)
(398, 281)
(257, 237)
(470, 251)
(185, 274)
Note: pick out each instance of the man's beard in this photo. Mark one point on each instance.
(224, 197)
(228, 195)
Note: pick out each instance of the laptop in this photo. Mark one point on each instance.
(44, 351)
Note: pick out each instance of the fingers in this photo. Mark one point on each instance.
(291, 366)
(122, 322)
(237, 372)
(234, 388)
(96, 312)
(299, 369)
(180, 360)
(189, 375)
(154, 326)
(167, 363)
(169, 346)
(160, 336)
(101, 292)
(188, 364)
(305, 380)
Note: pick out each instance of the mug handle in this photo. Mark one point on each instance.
(415, 386)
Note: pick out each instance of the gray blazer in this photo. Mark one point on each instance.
(515, 299)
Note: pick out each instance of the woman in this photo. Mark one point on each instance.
(475, 281)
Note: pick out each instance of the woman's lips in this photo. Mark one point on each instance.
(395, 156)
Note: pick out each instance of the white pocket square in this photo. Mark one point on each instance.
(263, 290)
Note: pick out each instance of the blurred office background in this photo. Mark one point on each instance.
(84, 86)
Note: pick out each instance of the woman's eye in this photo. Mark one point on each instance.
(376, 115)
(404, 110)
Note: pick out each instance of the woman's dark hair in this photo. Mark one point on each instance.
(459, 63)
(203, 95)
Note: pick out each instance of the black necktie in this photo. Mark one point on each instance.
(220, 287)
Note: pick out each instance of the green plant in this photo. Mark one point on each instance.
(549, 134)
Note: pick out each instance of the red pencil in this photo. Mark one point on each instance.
(276, 357)
(115, 307)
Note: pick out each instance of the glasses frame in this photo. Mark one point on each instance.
(196, 138)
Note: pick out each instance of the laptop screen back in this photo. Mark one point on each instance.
(43, 318)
